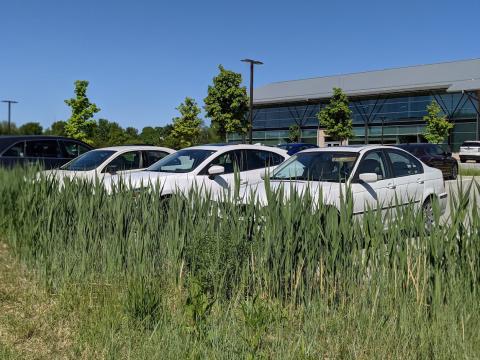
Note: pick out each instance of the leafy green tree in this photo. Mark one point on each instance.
(294, 133)
(108, 133)
(227, 103)
(4, 128)
(57, 128)
(30, 128)
(336, 117)
(155, 135)
(186, 127)
(438, 127)
(80, 125)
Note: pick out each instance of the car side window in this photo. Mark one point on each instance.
(373, 162)
(404, 164)
(74, 149)
(17, 150)
(230, 160)
(42, 149)
(259, 159)
(126, 161)
(152, 156)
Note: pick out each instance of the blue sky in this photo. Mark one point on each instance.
(143, 57)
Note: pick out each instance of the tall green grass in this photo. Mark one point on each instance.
(191, 277)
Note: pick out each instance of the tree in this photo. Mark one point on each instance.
(57, 128)
(155, 135)
(294, 133)
(227, 103)
(186, 127)
(438, 127)
(336, 117)
(80, 125)
(108, 133)
(4, 128)
(30, 128)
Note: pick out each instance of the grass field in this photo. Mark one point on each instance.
(132, 276)
(469, 172)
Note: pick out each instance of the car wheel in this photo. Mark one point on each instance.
(428, 214)
(462, 160)
(454, 172)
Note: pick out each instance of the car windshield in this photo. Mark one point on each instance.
(433, 150)
(88, 161)
(331, 166)
(182, 161)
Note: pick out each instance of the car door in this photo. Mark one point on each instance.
(259, 162)
(375, 195)
(233, 162)
(45, 152)
(124, 163)
(150, 157)
(14, 155)
(408, 176)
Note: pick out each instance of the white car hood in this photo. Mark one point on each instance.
(327, 192)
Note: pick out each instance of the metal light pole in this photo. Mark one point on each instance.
(9, 102)
(250, 114)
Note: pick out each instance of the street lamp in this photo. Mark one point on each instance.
(9, 102)
(250, 115)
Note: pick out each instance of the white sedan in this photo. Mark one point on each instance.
(379, 177)
(105, 162)
(210, 168)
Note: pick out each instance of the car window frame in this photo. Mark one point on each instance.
(388, 169)
(11, 146)
(204, 170)
(405, 153)
(60, 154)
(110, 160)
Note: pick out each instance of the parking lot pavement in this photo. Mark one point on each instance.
(452, 187)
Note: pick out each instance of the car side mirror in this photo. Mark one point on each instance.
(368, 177)
(215, 170)
(111, 169)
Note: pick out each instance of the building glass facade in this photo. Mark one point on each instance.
(401, 116)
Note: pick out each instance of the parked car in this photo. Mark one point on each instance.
(115, 160)
(293, 148)
(210, 167)
(435, 156)
(470, 150)
(47, 151)
(379, 177)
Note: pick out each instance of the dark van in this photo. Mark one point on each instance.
(48, 151)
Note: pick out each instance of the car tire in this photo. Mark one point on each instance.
(428, 214)
(454, 172)
(462, 160)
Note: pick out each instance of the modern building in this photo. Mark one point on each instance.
(387, 105)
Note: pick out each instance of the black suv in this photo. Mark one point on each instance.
(435, 156)
(49, 151)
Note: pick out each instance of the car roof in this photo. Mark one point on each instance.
(225, 148)
(349, 148)
(136, 147)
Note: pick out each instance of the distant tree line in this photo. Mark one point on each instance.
(226, 104)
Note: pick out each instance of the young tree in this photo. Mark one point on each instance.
(227, 103)
(81, 123)
(30, 128)
(438, 127)
(336, 117)
(294, 133)
(186, 127)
